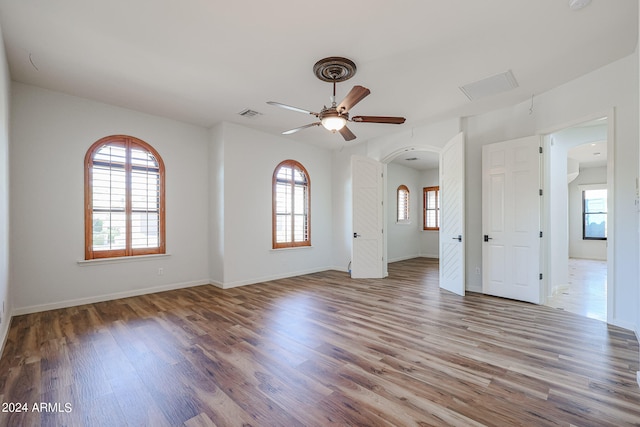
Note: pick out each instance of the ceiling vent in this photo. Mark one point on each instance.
(249, 114)
(490, 86)
(578, 4)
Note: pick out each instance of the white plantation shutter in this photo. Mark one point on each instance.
(291, 205)
(431, 207)
(124, 189)
(403, 203)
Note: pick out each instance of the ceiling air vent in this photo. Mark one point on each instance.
(249, 113)
(490, 86)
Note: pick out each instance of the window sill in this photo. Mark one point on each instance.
(293, 248)
(403, 222)
(119, 260)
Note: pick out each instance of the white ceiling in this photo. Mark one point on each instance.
(590, 155)
(204, 61)
(419, 160)
(587, 142)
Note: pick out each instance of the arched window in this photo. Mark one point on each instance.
(403, 203)
(124, 199)
(291, 205)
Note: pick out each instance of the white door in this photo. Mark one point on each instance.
(511, 197)
(452, 240)
(367, 248)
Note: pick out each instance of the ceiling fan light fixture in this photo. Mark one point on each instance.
(332, 120)
(333, 123)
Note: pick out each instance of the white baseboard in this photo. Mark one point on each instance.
(4, 331)
(404, 258)
(107, 297)
(624, 325)
(235, 284)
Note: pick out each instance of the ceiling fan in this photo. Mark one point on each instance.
(334, 118)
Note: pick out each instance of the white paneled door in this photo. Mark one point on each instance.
(452, 239)
(367, 248)
(511, 197)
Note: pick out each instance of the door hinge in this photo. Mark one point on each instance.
(541, 234)
(540, 191)
(540, 276)
(540, 150)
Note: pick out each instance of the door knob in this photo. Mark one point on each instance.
(487, 238)
(356, 235)
(459, 238)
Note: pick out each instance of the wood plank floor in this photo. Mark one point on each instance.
(318, 350)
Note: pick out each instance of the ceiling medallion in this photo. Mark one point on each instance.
(334, 69)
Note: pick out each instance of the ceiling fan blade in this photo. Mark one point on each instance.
(354, 96)
(378, 119)
(289, 107)
(347, 134)
(290, 131)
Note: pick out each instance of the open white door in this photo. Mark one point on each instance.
(452, 241)
(367, 248)
(511, 193)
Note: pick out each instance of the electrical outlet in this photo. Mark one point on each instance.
(160, 271)
(478, 270)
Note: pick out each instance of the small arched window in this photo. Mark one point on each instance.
(124, 199)
(403, 203)
(291, 206)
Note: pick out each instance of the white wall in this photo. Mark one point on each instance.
(50, 135)
(403, 239)
(429, 239)
(250, 158)
(578, 247)
(5, 294)
(613, 86)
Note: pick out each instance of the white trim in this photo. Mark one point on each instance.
(229, 285)
(107, 297)
(623, 324)
(402, 258)
(118, 260)
(4, 332)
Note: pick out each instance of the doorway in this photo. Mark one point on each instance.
(579, 255)
(416, 169)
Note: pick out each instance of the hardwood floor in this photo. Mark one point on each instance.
(317, 350)
(586, 292)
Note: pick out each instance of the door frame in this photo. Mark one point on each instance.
(546, 217)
